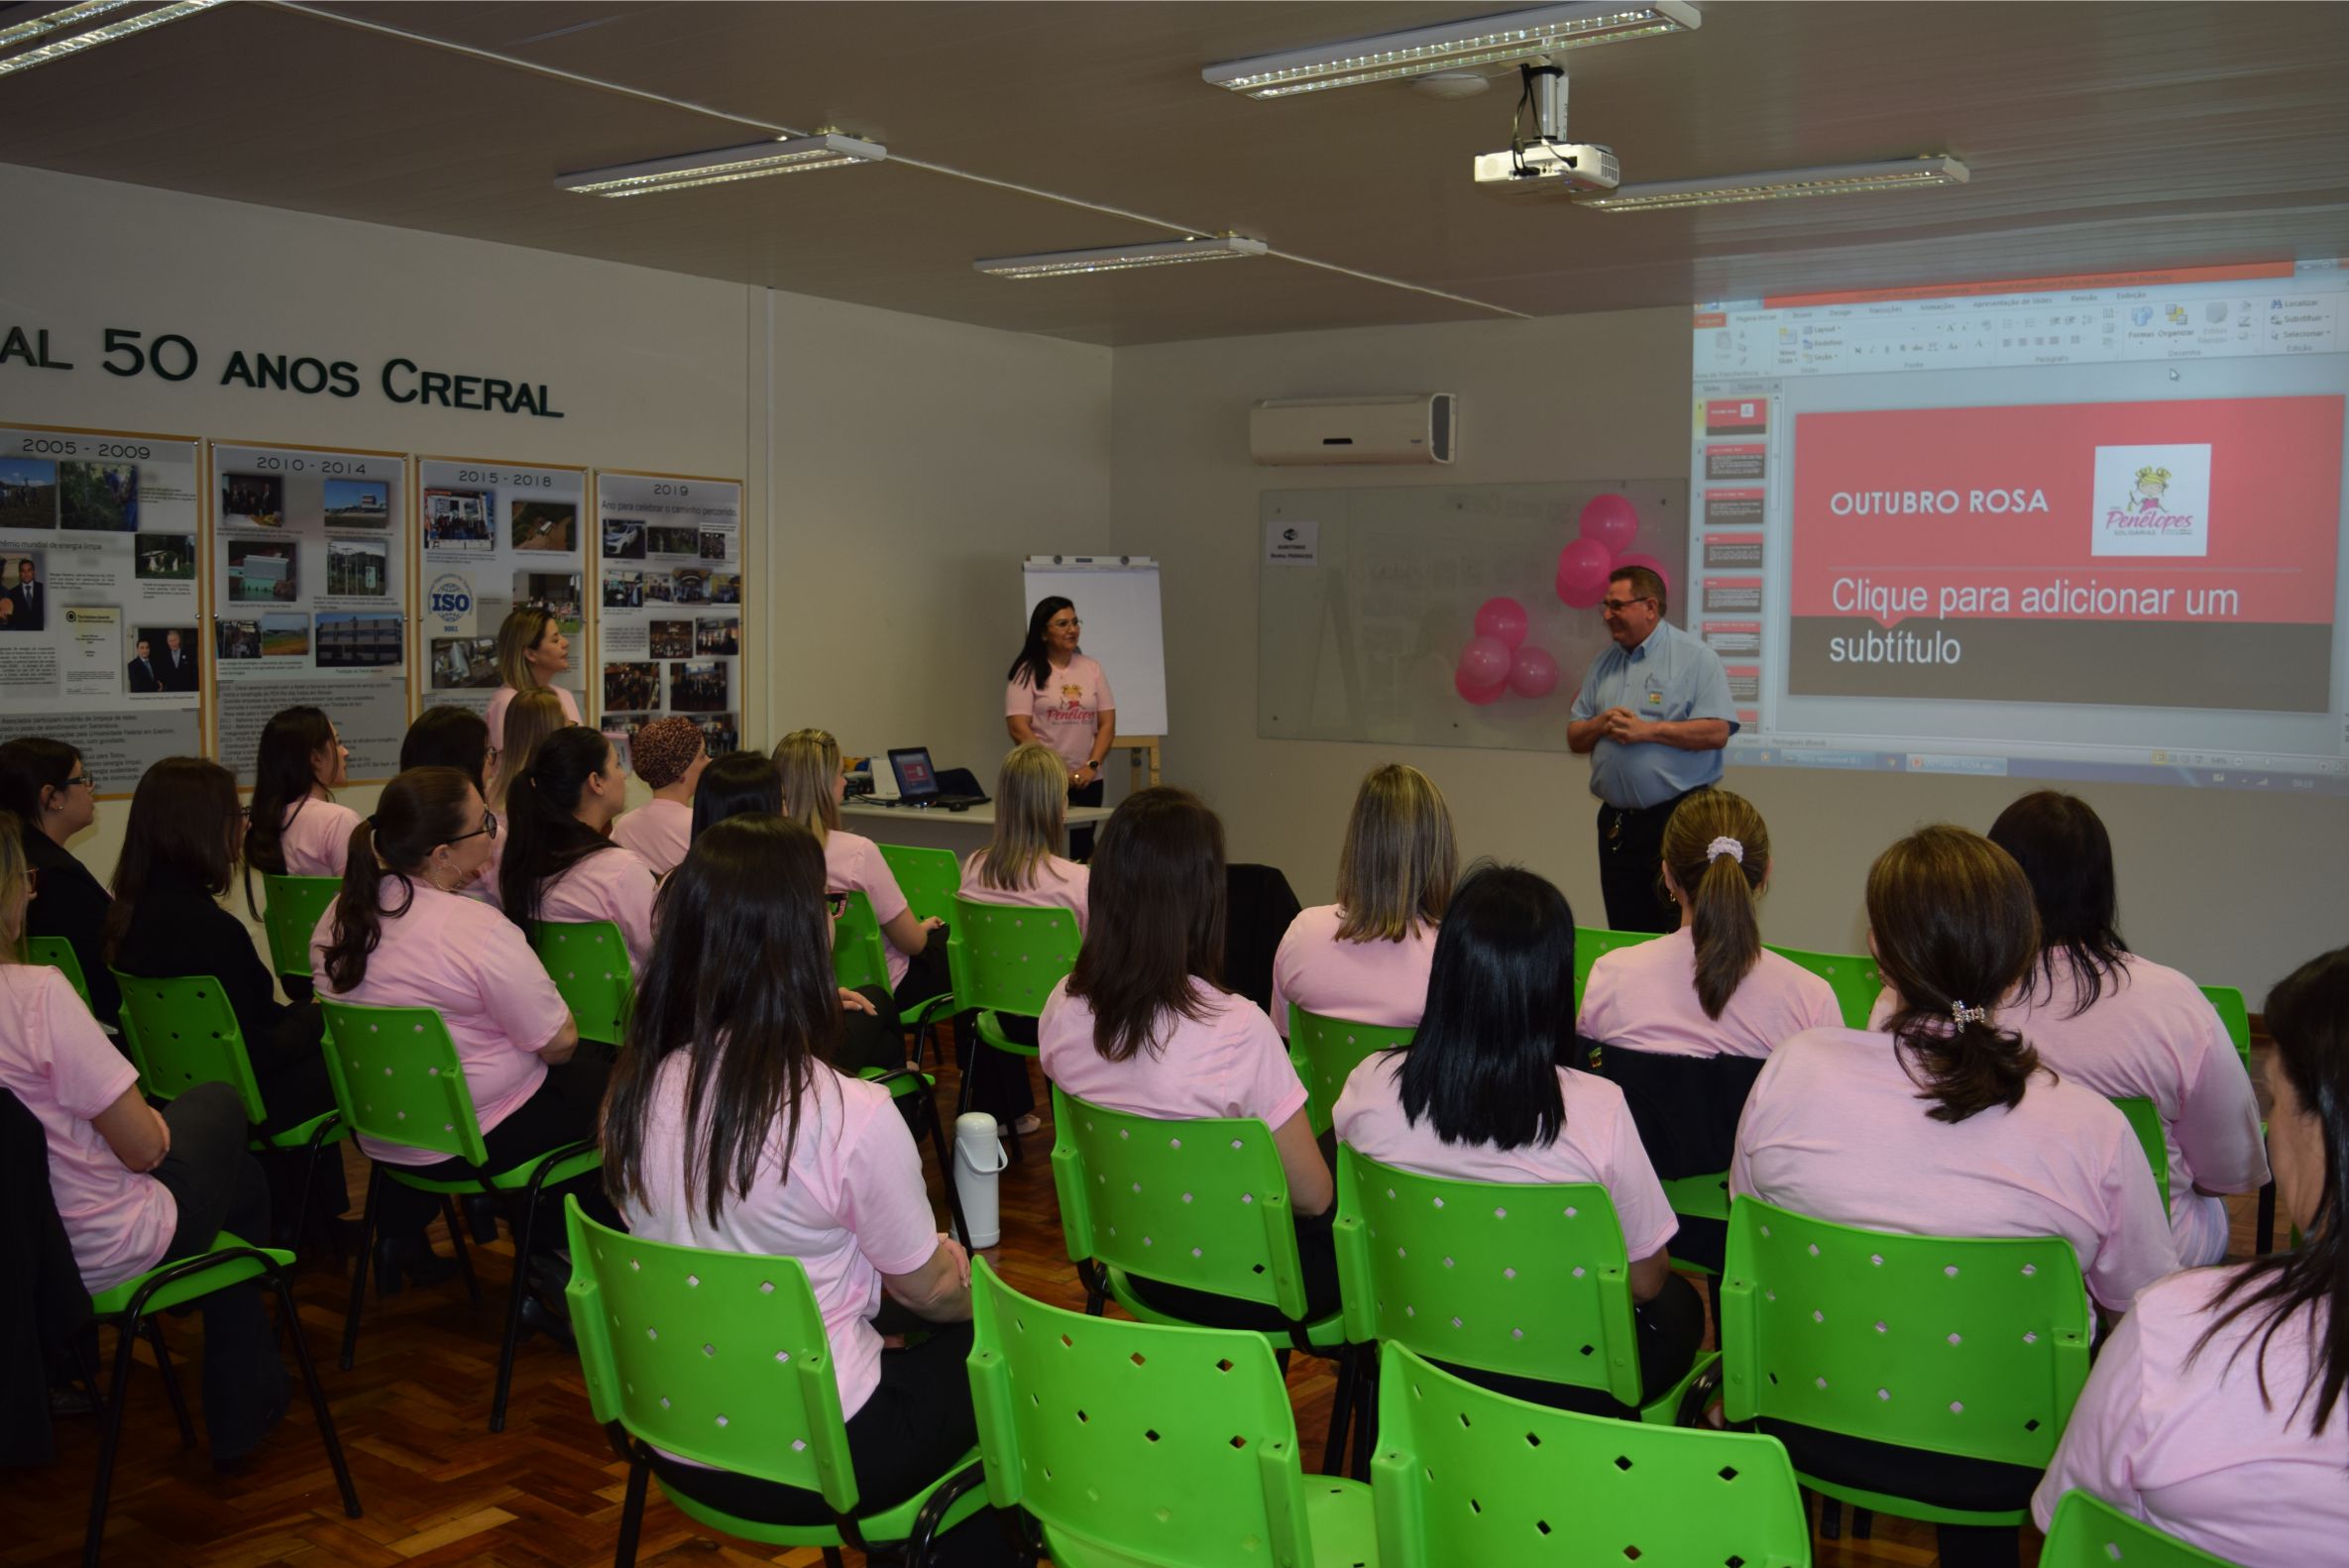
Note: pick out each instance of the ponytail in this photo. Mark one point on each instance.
(420, 810)
(544, 835)
(1718, 851)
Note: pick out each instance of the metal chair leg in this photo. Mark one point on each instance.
(367, 1249)
(93, 1538)
(154, 1334)
(1341, 1409)
(945, 1167)
(632, 1511)
(513, 1310)
(309, 1378)
(1830, 1520)
(473, 1287)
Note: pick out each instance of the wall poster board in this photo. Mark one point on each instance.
(310, 598)
(100, 604)
(669, 552)
(491, 536)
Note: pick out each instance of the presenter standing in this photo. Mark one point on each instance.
(1653, 716)
(531, 652)
(1061, 698)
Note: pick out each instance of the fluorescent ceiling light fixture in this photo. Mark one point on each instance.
(1119, 258)
(721, 166)
(64, 17)
(1475, 40)
(1833, 180)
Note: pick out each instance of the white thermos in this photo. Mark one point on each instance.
(979, 1157)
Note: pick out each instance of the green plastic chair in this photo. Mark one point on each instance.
(1145, 1444)
(588, 963)
(1006, 959)
(2233, 1012)
(57, 954)
(1519, 1277)
(1465, 1474)
(1592, 940)
(1854, 975)
(722, 1357)
(928, 880)
(130, 1308)
(2089, 1533)
(2145, 1120)
(397, 1080)
(858, 955)
(295, 906)
(1325, 1053)
(1969, 1347)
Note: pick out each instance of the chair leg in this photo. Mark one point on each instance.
(515, 1296)
(833, 1558)
(945, 1167)
(1366, 1413)
(153, 1331)
(309, 1181)
(632, 1511)
(309, 1377)
(1862, 1521)
(473, 1286)
(1341, 1407)
(2265, 1236)
(367, 1250)
(1830, 1520)
(93, 1539)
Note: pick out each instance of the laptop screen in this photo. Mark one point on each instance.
(915, 776)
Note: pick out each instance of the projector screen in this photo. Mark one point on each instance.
(2053, 529)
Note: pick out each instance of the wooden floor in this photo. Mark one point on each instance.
(439, 1488)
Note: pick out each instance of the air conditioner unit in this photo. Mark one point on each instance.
(1420, 428)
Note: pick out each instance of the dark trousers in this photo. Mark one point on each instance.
(1317, 1258)
(1671, 1328)
(563, 1110)
(1945, 1480)
(1080, 840)
(219, 1187)
(1630, 854)
(926, 974)
(913, 1428)
(870, 1040)
(999, 1081)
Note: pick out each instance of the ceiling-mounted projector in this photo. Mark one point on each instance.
(1545, 161)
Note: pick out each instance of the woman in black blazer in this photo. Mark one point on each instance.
(46, 784)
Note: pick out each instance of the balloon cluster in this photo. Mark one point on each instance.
(1605, 531)
(1497, 660)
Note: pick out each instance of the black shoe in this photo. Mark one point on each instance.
(482, 1212)
(399, 1259)
(540, 1319)
(237, 1464)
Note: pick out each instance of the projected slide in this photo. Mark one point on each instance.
(2067, 528)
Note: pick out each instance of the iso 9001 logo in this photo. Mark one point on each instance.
(450, 600)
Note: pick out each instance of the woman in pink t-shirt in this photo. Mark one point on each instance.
(2125, 1026)
(297, 829)
(914, 948)
(1365, 957)
(1142, 1026)
(669, 755)
(401, 933)
(728, 1130)
(1058, 696)
(2217, 1412)
(135, 1189)
(559, 862)
(531, 651)
(1480, 1095)
(1948, 1124)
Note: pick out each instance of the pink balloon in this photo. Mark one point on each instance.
(1503, 618)
(1481, 695)
(1648, 561)
(1485, 661)
(1610, 520)
(1532, 673)
(1582, 572)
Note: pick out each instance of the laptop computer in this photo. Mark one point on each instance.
(917, 780)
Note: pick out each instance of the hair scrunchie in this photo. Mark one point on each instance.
(1961, 1015)
(1724, 845)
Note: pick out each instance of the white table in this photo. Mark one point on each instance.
(932, 828)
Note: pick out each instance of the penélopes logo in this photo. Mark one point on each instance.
(2151, 501)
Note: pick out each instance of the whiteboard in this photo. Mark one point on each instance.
(1118, 601)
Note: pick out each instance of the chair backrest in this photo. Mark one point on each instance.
(1698, 1198)
(2145, 1120)
(1007, 958)
(1521, 1278)
(588, 963)
(2089, 1533)
(858, 955)
(1958, 1346)
(2235, 1013)
(397, 1080)
(182, 1033)
(1855, 976)
(58, 955)
(1145, 1444)
(1199, 1203)
(1592, 940)
(719, 1357)
(1326, 1051)
(929, 878)
(295, 906)
(1464, 1474)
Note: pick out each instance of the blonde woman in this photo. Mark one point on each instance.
(1365, 957)
(530, 718)
(531, 652)
(809, 761)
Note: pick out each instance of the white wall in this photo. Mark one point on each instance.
(2234, 888)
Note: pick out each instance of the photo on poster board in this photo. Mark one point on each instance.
(262, 571)
(631, 685)
(24, 592)
(165, 558)
(174, 661)
(358, 568)
(459, 520)
(624, 539)
(252, 500)
(363, 641)
(496, 537)
(672, 640)
(28, 492)
(689, 562)
(98, 498)
(464, 663)
(547, 525)
(358, 503)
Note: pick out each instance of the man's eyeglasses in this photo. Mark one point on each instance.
(1616, 607)
(489, 825)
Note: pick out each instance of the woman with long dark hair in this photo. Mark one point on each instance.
(1944, 1122)
(2215, 1412)
(531, 651)
(2126, 1026)
(734, 785)
(1055, 693)
(1479, 1096)
(449, 737)
(559, 862)
(49, 790)
(1141, 1025)
(297, 829)
(729, 1129)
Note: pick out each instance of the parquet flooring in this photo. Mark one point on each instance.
(439, 1489)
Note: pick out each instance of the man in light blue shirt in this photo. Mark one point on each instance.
(1653, 716)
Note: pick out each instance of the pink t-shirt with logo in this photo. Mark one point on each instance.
(1834, 1129)
(1056, 884)
(851, 1206)
(1228, 1064)
(853, 863)
(611, 884)
(1380, 983)
(1597, 1144)
(2182, 1439)
(315, 836)
(58, 1063)
(473, 966)
(503, 699)
(657, 833)
(1066, 712)
(1644, 997)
